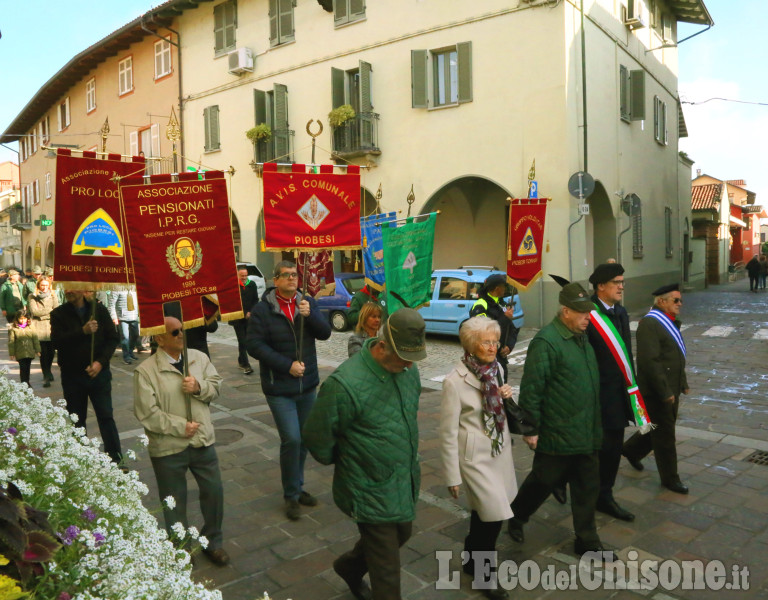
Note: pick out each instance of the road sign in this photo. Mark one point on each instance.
(581, 185)
(583, 209)
(533, 189)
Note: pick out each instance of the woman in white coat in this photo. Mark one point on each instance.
(476, 446)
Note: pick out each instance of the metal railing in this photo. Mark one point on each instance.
(21, 217)
(359, 135)
(278, 148)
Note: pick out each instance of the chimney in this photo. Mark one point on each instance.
(698, 172)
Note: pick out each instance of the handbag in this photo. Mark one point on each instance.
(518, 419)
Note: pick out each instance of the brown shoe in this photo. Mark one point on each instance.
(218, 556)
(292, 509)
(357, 585)
(307, 499)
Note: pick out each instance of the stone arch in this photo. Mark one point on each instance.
(600, 228)
(236, 237)
(49, 254)
(28, 257)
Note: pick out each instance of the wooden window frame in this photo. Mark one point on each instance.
(162, 54)
(90, 95)
(121, 72)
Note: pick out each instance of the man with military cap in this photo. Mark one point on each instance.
(364, 422)
(30, 287)
(661, 378)
(12, 297)
(560, 391)
(489, 304)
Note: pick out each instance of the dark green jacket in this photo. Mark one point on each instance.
(660, 364)
(364, 422)
(359, 300)
(560, 390)
(8, 302)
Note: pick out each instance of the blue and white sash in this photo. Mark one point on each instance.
(669, 325)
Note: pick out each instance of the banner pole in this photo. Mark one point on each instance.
(187, 398)
(301, 317)
(93, 335)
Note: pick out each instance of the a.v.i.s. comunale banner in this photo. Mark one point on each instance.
(311, 211)
(408, 261)
(525, 240)
(373, 248)
(180, 241)
(89, 241)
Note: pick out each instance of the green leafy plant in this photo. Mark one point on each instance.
(338, 116)
(261, 133)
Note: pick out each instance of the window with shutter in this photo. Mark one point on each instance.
(224, 27)
(637, 231)
(211, 126)
(419, 84)
(47, 186)
(90, 95)
(637, 95)
(348, 11)
(125, 76)
(280, 129)
(668, 231)
(464, 53)
(63, 114)
(624, 98)
(162, 58)
(133, 141)
(281, 22)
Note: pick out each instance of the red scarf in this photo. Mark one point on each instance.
(287, 306)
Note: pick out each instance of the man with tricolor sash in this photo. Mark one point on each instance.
(661, 377)
(620, 400)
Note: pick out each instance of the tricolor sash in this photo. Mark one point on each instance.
(669, 325)
(612, 339)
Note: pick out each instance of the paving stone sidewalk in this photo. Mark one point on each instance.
(724, 518)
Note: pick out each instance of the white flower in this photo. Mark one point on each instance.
(130, 454)
(178, 529)
(143, 440)
(203, 541)
(193, 532)
(73, 417)
(170, 502)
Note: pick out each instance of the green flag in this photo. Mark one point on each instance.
(408, 262)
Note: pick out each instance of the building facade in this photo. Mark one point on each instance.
(10, 214)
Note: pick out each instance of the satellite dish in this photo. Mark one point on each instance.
(581, 185)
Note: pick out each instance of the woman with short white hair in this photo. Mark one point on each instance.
(476, 444)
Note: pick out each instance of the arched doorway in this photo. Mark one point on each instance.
(600, 228)
(49, 255)
(473, 222)
(236, 239)
(28, 262)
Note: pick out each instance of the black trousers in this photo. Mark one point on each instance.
(46, 357)
(24, 367)
(77, 388)
(241, 328)
(610, 459)
(661, 439)
(377, 553)
(752, 284)
(581, 472)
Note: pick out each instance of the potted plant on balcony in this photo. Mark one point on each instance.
(261, 133)
(340, 115)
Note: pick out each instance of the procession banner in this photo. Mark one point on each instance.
(373, 249)
(180, 241)
(89, 240)
(319, 267)
(408, 261)
(525, 241)
(311, 211)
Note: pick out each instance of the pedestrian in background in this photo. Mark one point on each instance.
(40, 305)
(763, 270)
(368, 325)
(12, 297)
(661, 377)
(476, 447)
(23, 344)
(249, 295)
(30, 286)
(285, 349)
(753, 270)
(490, 304)
(124, 310)
(364, 422)
(360, 299)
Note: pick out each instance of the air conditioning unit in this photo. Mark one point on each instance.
(636, 14)
(241, 61)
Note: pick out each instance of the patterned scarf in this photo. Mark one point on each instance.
(493, 406)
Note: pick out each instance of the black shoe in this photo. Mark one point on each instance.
(636, 464)
(46, 383)
(607, 555)
(292, 509)
(560, 494)
(515, 529)
(611, 507)
(218, 556)
(676, 486)
(496, 594)
(357, 586)
(307, 499)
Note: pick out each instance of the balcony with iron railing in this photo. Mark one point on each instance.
(278, 148)
(359, 136)
(21, 217)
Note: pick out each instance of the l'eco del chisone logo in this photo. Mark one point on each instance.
(184, 257)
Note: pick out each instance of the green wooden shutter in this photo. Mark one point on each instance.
(419, 87)
(637, 95)
(356, 9)
(259, 107)
(218, 28)
(340, 12)
(230, 24)
(207, 127)
(337, 87)
(280, 127)
(286, 21)
(274, 39)
(464, 52)
(623, 93)
(366, 87)
(211, 122)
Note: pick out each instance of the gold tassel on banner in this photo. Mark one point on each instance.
(509, 253)
(357, 262)
(263, 245)
(547, 246)
(365, 241)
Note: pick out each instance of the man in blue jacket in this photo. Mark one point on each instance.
(285, 349)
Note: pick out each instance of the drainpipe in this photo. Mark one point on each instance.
(181, 97)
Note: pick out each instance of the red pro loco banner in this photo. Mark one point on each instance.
(525, 240)
(89, 241)
(311, 211)
(180, 241)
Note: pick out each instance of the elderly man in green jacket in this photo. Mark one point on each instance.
(364, 422)
(560, 390)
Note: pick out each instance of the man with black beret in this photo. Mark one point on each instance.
(560, 391)
(490, 304)
(661, 378)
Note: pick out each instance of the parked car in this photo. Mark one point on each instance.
(334, 298)
(454, 292)
(254, 274)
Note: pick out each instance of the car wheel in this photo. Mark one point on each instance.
(338, 321)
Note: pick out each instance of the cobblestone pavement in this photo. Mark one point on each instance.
(722, 422)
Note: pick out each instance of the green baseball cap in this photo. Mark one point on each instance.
(405, 331)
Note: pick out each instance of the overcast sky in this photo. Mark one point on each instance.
(726, 139)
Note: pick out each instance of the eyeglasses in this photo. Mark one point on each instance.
(619, 282)
(489, 345)
(677, 300)
(175, 332)
(288, 276)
